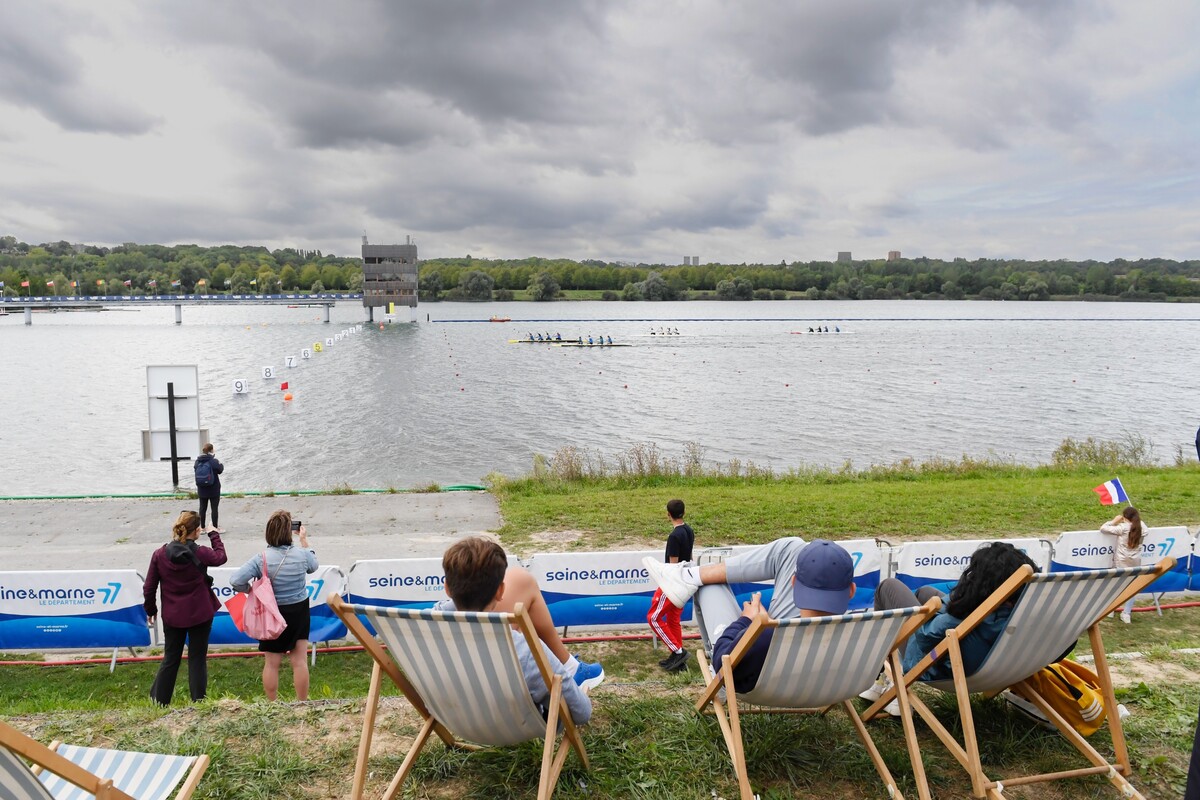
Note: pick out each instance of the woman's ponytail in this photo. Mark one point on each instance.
(1135, 526)
(183, 528)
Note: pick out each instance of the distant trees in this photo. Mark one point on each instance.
(476, 285)
(543, 287)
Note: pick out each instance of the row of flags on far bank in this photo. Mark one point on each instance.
(129, 283)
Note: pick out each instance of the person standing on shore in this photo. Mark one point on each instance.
(208, 483)
(664, 614)
(288, 566)
(1127, 550)
(180, 569)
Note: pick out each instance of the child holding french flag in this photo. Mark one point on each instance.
(1128, 530)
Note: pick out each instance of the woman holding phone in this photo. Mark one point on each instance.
(288, 566)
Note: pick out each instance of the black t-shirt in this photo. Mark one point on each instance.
(679, 543)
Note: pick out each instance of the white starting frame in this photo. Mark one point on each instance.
(173, 398)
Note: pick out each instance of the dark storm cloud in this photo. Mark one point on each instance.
(39, 70)
(493, 62)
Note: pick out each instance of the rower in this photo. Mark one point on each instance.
(810, 330)
(531, 337)
(557, 336)
(590, 339)
(610, 340)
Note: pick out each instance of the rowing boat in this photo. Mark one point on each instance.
(500, 319)
(536, 341)
(585, 344)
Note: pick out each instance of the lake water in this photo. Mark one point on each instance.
(445, 402)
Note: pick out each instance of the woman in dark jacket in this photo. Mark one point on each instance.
(180, 569)
(209, 493)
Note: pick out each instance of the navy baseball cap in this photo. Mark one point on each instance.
(824, 575)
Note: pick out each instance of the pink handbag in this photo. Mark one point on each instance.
(261, 618)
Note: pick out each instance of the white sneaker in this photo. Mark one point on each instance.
(1126, 618)
(876, 690)
(893, 708)
(669, 578)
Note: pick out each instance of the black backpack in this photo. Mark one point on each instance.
(204, 473)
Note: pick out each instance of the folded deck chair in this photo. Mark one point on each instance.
(461, 673)
(1052, 611)
(65, 772)
(811, 665)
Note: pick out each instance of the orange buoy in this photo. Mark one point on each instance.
(287, 396)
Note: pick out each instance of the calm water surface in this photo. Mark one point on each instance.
(448, 402)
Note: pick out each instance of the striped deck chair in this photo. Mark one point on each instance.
(461, 673)
(1052, 612)
(811, 665)
(65, 772)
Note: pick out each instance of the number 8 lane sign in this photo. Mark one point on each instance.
(268, 373)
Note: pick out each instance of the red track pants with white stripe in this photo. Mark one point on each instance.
(664, 621)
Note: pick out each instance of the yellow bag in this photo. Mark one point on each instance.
(1073, 691)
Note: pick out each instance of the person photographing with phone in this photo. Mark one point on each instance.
(288, 566)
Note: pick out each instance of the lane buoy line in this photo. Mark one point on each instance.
(241, 386)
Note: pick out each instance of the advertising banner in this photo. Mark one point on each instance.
(1079, 550)
(939, 564)
(610, 589)
(324, 627)
(868, 571)
(72, 609)
(399, 583)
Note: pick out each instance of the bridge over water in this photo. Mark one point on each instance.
(66, 302)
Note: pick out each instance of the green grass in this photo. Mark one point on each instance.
(645, 740)
(984, 502)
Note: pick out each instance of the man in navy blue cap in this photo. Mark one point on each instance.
(811, 580)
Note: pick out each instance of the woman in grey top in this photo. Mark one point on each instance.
(288, 566)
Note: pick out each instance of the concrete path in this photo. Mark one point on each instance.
(91, 534)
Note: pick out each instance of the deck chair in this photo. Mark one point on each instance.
(1052, 611)
(65, 772)
(811, 665)
(461, 673)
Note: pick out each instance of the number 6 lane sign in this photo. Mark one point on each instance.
(306, 353)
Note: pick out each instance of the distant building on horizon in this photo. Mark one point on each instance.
(844, 257)
(390, 275)
(893, 255)
(691, 261)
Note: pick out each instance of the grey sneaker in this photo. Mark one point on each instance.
(669, 578)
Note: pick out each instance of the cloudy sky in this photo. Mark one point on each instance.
(641, 131)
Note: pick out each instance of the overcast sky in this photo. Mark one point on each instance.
(640, 131)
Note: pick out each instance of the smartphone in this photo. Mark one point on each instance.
(295, 525)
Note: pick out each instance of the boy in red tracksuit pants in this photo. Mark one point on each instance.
(664, 615)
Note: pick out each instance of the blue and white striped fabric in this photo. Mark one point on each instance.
(145, 776)
(817, 661)
(1053, 611)
(16, 781)
(464, 666)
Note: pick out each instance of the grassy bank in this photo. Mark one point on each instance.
(897, 505)
(645, 741)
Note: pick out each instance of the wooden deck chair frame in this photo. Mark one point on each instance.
(967, 754)
(48, 759)
(553, 757)
(729, 711)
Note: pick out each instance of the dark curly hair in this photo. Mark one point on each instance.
(991, 565)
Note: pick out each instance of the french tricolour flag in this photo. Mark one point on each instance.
(1111, 492)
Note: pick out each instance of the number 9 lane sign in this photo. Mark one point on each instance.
(239, 387)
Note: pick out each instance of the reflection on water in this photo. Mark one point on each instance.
(448, 402)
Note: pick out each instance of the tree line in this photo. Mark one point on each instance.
(917, 278)
(63, 268)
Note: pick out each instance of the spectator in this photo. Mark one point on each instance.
(476, 572)
(288, 566)
(1127, 550)
(664, 615)
(180, 570)
(208, 484)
